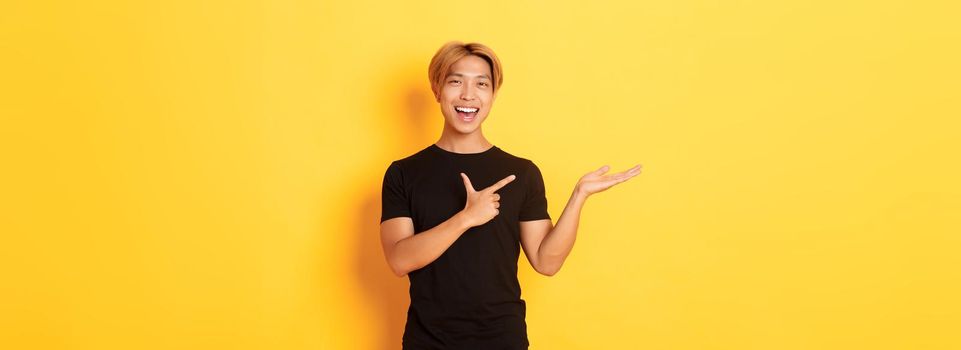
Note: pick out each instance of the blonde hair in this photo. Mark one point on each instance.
(455, 50)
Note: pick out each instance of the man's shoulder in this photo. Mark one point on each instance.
(422, 154)
(516, 159)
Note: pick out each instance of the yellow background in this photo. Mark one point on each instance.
(194, 174)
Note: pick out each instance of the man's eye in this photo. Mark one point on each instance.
(455, 81)
(484, 84)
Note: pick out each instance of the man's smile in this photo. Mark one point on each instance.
(466, 114)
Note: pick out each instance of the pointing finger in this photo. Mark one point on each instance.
(501, 183)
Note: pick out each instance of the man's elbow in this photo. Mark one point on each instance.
(399, 273)
(547, 271)
(401, 267)
(398, 269)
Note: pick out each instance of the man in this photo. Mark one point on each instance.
(454, 212)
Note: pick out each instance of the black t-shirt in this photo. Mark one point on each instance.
(469, 297)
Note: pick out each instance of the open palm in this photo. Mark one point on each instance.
(596, 181)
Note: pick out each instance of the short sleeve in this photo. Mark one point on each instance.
(535, 199)
(394, 198)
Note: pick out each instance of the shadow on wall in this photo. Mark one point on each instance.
(407, 109)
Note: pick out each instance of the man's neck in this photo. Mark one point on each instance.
(464, 144)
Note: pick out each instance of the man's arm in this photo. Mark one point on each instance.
(547, 247)
(407, 252)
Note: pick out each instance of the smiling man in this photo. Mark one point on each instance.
(456, 214)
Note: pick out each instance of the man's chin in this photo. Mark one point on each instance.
(465, 128)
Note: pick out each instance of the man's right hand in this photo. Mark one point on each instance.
(482, 205)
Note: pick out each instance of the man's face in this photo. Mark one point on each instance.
(467, 93)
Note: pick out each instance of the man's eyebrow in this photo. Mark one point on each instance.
(485, 76)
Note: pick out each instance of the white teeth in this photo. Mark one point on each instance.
(466, 109)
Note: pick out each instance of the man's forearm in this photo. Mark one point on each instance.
(558, 243)
(417, 251)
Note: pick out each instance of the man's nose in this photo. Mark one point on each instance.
(467, 93)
